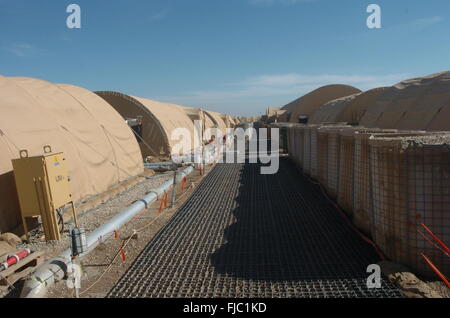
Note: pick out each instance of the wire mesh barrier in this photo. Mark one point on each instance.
(314, 152)
(322, 156)
(362, 199)
(244, 234)
(299, 133)
(294, 153)
(411, 185)
(346, 165)
(342, 158)
(290, 141)
(295, 134)
(333, 159)
(307, 153)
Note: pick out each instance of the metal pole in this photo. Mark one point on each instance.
(174, 188)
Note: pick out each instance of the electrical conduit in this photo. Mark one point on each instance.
(55, 269)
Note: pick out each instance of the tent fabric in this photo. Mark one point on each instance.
(198, 114)
(101, 150)
(159, 122)
(355, 109)
(414, 104)
(329, 112)
(217, 119)
(309, 103)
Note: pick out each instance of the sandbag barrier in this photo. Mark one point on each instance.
(387, 191)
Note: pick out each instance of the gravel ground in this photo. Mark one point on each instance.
(95, 264)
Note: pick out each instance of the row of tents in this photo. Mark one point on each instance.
(91, 129)
(421, 103)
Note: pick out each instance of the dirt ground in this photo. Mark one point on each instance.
(147, 223)
(94, 265)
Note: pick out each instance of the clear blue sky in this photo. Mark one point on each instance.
(235, 56)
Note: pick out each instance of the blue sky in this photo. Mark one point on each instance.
(234, 56)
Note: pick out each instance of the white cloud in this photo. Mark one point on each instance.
(275, 90)
(22, 49)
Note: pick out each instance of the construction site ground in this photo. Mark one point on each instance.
(97, 262)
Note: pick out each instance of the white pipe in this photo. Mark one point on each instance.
(55, 269)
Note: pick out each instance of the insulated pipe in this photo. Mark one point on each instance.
(55, 269)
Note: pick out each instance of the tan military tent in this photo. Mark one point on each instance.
(198, 114)
(309, 103)
(356, 108)
(330, 111)
(217, 119)
(417, 104)
(100, 149)
(159, 121)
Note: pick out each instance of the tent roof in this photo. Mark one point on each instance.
(330, 111)
(101, 150)
(159, 122)
(309, 103)
(412, 104)
(357, 107)
(217, 119)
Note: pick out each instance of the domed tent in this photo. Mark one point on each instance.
(199, 114)
(441, 120)
(159, 121)
(329, 112)
(101, 150)
(413, 104)
(356, 108)
(217, 119)
(309, 103)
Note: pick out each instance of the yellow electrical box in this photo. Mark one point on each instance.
(42, 184)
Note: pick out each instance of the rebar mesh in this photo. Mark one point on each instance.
(244, 234)
(411, 185)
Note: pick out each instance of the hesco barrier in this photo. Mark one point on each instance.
(411, 186)
(347, 166)
(292, 142)
(294, 145)
(299, 132)
(314, 172)
(328, 157)
(362, 195)
(333, 161)
(307, 152)
(322, 156)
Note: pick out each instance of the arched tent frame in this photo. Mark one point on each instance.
(159, 122)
